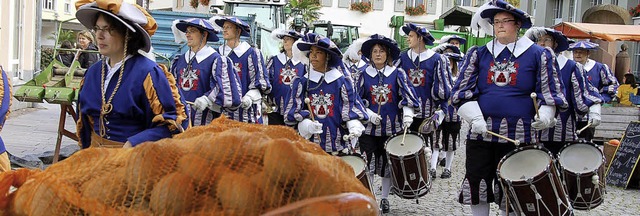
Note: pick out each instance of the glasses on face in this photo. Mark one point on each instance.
(505, 21)
(97, 30)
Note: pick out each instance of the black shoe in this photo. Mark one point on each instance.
(384, 205)
(446, 174)
(433, 173)
(442, 162)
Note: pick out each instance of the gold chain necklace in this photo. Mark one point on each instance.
(107, 107)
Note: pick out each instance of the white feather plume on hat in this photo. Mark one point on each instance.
(276, 33)
(298, 55)
(354, 48)
(178, 35)
(477, 22)
(440, 48)
(535, 32)
(213, 19)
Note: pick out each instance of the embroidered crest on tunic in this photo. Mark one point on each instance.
(381, 94)
(287, 75)
(322, 104)
(189, 79)
(238, 68)
(503, 73)
(416, 76)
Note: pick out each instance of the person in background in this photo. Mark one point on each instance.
(625, 90)
(86, 42)
(493, 94)
(66, 57)
(125, 99)
(5, 105)
(205, 77)
(384, 88)
(282, 71)
(582, 97)
(249, 64)
(353, 59)
(427, 73)
(600, 76)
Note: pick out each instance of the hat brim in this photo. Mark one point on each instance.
(462, 40)
(89, 15)
(491, 12)
(243, 32)
(213, 36)
(562, 42)
(336, 56)
(428, 39)
(367, 46)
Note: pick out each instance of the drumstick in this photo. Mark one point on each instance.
(308, 101)
(584, 128)
(517, 142)
(191, 103)
(534, 96)
(404, 135)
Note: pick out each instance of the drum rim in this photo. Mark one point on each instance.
(562, 167)
(424, 141)
(524, 148)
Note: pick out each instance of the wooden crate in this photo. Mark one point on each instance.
(614, 122)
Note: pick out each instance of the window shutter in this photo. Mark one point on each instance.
(378, 4)
(400, 5)
(326, 3)
(344, 3)
(431, 6)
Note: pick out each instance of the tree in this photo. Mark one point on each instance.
(515, 3)
(310, 9)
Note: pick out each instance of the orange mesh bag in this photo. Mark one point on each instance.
(225, 168)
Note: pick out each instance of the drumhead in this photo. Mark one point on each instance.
(580, 158)
(357, 163)
(524, 164)
(412, 144)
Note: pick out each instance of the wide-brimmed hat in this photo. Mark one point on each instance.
(421, 31)
(367, 46)
(241, 24)
(322, 42)
(454, 56)
(134, 17)
(202, 24)
(583, 45)
(443, 46)
(483, 17)
(535, 33)
(281, 33)
(448, 38)
(503, 6)
(353, 49)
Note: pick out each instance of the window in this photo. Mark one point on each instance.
(414, 3)
(67, 6)
(614, 2)
(179, 4)
(572, 10)
(399, 5)
(356, 1)
(327, 3)
(49, 4)
(464, 2)
(596, 2)
(14, 62)
(557, 9)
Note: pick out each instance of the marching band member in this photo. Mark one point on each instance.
(353, 58)
(454, 40)
(582, 97)
(139, 100)
(493, 93)
(249, 64)
(282, 71)
(600, 76)
(323, 99)
(447, 135)
(384, 88)
(5, 105)
(426, 71)
(205, 77)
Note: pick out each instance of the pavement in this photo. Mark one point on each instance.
(31, 133)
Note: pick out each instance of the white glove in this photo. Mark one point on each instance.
(202, 103)
(374, 118)
(594, 115)
(307, 128)
(407, 116)
(546, 118)
(471, 113)
(251, 97)
(355, 127)
(439, 116)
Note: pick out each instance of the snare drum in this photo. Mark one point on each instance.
(531, 182)
(409, 168)
(359, 166)
(582, 172)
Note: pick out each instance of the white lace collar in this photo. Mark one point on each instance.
(239, 50)
(373, 72)
(283, 59)
(424, 55)
(202, 54)
(589, 64)
(329, 76)
(521, 46)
